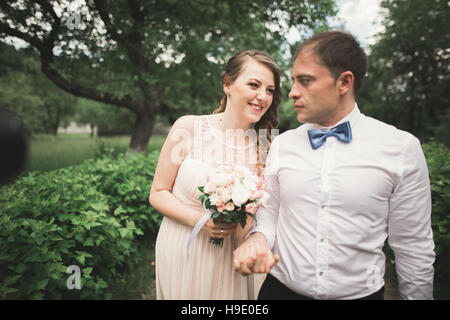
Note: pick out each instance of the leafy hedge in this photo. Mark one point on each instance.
(438, 160)
(95, 216)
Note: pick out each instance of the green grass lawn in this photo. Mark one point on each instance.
(72, 149)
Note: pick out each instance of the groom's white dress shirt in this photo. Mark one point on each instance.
(331, 209)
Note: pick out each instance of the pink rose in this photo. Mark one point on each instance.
(229, 206)
(261, 183)
(250, 208)
(260, 194)
(220, 205)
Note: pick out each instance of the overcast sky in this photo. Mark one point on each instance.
(361, 18)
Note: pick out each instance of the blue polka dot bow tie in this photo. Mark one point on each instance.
(342, 132)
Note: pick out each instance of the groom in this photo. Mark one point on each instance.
(339, 185)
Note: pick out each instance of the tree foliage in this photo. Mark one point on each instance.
(38, 102)
(152, 57)
(106, 119)
(408, 81)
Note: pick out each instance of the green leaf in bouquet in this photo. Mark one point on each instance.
(227, 217)
(217, 242)
(243, 220)
(215, 216)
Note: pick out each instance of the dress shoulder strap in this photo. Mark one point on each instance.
(201, 134)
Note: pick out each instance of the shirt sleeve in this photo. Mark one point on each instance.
(409, 225)
(267, 215)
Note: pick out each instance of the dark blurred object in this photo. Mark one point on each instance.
(13, 146)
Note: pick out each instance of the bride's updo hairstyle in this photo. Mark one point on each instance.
(269, 120)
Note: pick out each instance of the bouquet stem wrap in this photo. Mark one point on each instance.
(198, 226)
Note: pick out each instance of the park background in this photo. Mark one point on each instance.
(126, 70)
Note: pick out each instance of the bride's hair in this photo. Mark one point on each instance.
(269, 120)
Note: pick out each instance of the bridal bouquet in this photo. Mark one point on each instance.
(231, 194)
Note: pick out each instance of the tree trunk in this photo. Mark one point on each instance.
(92, 130)
(54, 123)
(142, 132)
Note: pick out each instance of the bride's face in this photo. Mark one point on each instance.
(251, 94)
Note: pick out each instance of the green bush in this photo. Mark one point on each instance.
(95, 215)
(438, 156)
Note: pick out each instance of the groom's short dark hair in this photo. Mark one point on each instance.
(338, 51)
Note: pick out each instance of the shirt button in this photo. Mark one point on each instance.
(320, 273)
(321, 239)
(323, 206)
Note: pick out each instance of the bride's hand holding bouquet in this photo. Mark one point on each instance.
(230, 195)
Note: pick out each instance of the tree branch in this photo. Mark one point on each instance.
(45, 48)
(131, 42)
(82, 91)
(101, 8)
(7, 30)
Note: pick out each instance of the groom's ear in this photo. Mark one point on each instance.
(345, 82)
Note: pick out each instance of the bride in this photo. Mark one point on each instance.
(194, 145)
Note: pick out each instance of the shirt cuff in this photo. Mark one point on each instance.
(267, 232)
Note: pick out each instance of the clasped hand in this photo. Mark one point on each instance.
(254, 256)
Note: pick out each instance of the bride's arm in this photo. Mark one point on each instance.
(176, 146)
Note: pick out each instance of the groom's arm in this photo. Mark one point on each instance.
(409, 225)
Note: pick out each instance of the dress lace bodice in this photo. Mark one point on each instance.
(208, 152)
(213, 150)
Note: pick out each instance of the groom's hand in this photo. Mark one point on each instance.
(254, 256)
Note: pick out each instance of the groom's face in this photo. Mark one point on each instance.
(314, 90)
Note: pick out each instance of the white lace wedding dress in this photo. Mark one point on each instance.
(208, 274)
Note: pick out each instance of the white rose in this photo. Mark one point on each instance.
(213, 198)
(250, 183)
(223, 195)
(220, 180)
(242, 171)
(240, 195)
